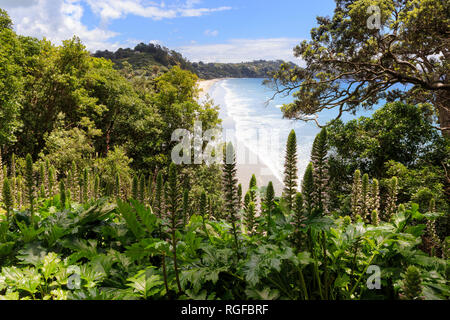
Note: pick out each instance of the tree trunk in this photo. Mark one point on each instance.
(442, 103)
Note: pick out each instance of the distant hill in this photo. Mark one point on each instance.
(146, 56)
(254, 69)
(153, 59)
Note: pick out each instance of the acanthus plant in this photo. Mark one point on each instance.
(137, 250)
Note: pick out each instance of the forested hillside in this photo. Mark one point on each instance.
(254, 69)
(152, 59)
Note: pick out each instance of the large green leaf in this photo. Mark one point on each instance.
(146, 283)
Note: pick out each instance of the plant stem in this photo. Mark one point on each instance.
(302, 284)
(174, 245)
(165, 273)
(325, 275)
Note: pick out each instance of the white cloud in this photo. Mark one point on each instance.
(116, 9)
(58, 20)
(211, 33)
(239, 50)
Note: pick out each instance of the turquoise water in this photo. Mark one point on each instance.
(251, 122)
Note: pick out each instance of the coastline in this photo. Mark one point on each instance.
(245, 167)
(205, 86)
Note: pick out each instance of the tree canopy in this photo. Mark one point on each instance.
(371, 50)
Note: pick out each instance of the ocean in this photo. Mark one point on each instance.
(253, 122)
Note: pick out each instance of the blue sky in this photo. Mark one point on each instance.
(207, 30)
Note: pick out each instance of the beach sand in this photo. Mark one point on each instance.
(205, 86)
(247, 162)
(261, 171)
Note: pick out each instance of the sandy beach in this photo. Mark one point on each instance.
(205, 86)
(247, 162)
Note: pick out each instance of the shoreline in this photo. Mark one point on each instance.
(206, 85)
(245, 167)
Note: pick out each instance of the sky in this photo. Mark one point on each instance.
(202, 30)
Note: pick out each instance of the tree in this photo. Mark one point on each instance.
(396, 131)
(11, 81)
(290, 170)
(1, 174)
(5, 21)
(352, 63)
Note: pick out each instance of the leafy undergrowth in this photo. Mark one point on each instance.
(103, 250)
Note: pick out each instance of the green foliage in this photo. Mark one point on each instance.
(85, 185)
(135, 188)
(202, 205)
(250, 219)
(141, 188)
(308, 188)
(98, 133)
(365, 196)
(412, 284)
(11, 81)
(357, 194)
(269, 205)
(230, 190)
(290, 170)
(7, 197)
(186, 206)
(29, 177)
(397, 140)
(62, 194)
(252, 187)
(391, 201)
(348, 45)
(253, 69)
(147, 283)
(158, 202)
(239, 196)
(319, 161)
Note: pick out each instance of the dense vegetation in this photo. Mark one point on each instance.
(369, 51)
(149, 58)
(73, 239)
(254, 69)
(152, 59)
(93, 208)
